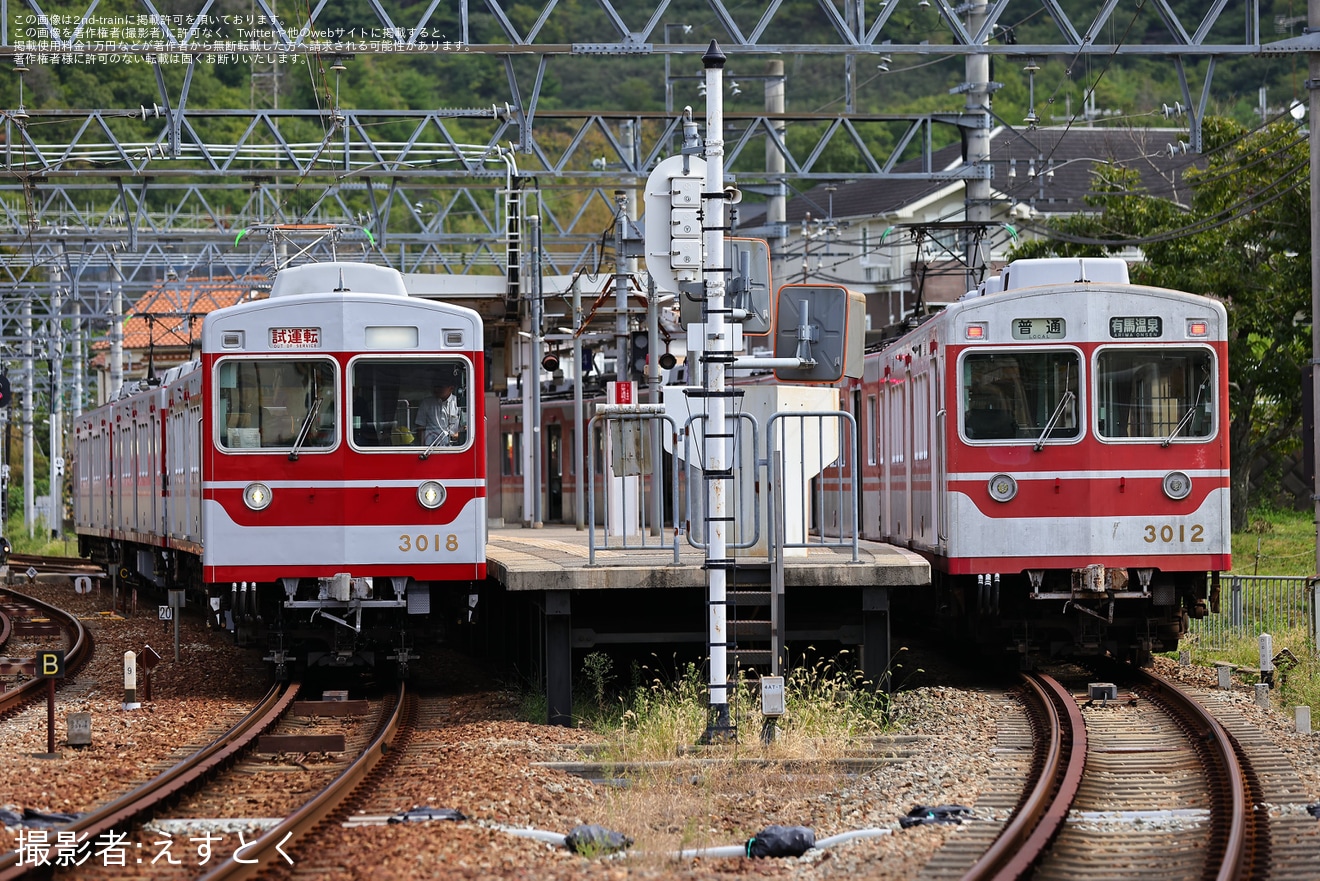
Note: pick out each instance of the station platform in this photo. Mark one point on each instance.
(559, 558)
(547, 592)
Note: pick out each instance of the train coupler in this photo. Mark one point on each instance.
(281, 659)
(402, 656)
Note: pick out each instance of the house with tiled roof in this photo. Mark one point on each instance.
(163, 328)
(903, 242)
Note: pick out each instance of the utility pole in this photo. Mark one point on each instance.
(533, 434)
(776, 207)
(978, 146)
(1313, 19)
(29, 391)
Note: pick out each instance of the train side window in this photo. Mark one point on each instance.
(1021, 395)
(1155, 393)
(511, 458)
(273, 402)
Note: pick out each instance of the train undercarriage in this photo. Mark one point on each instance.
(1127, 614)
(333, 623)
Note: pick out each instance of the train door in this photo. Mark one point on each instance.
(194, 428)
(554, 473)
(920, 468)
(869, 450)
(941, 452)
(126, 505)
(177, 488)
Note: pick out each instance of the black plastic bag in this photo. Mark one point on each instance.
(921, 815)
(592, 839)
(1314, 810)
(781, 841)
(47, 819)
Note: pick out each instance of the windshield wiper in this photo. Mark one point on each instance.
(1054, 417)
(305, 428)
(1187, 417)
(426, 454)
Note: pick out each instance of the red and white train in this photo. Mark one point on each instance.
(284, 478)
(1055, 443)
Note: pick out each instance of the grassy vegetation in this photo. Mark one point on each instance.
(1276, 543)
(40, 542)
(656, 714)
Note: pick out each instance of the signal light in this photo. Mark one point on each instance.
(667, 361)
(4, 390)
(550, 363)
(638, 344)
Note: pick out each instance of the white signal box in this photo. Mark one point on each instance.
(673, 221)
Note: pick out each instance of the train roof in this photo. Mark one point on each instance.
(326, 278)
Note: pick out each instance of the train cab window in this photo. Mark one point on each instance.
(1022, 395)
(1148, 393)
(410, 403)
(276, 403)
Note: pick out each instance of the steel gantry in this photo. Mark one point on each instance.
(99, 205)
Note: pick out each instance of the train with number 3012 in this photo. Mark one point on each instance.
(1056, 444)
(289, 480)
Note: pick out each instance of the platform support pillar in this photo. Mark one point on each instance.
(558, 658)
(876, 650)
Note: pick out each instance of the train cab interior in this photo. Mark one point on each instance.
(390, 396)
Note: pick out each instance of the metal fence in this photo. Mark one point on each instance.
(1250, 605)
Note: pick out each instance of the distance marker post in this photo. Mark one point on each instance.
(50, 666)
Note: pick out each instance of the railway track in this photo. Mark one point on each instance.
(146, 798)
(24, 622)
(53, 565)
(1151, 785)
(312, 826)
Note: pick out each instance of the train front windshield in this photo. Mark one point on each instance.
(410, 402)
(1163, 393)
(276, 403)
(1021, 395)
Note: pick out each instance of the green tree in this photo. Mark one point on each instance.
(1246, 240)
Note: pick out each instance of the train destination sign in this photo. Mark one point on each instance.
(1135, 327)
(295, 337)
(1038, 328)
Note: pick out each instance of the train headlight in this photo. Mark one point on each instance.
(430, 495)
(256, 496)
(1177, 485)
(1002, 488)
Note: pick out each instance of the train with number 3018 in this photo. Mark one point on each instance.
(1056, 444)
(317, 479)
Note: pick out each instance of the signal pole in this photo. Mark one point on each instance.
(717, 353)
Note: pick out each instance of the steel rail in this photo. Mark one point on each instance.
(169, 782)
(77, 655)
(1042, 812)
(1243, 844)
(266, 851)
(58, 565)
